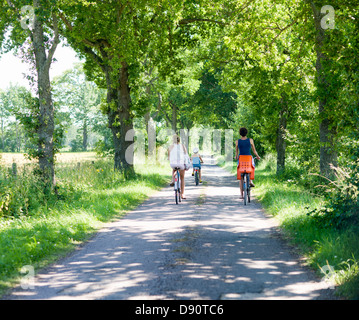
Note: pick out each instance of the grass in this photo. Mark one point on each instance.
(90, 195)
(289, 199)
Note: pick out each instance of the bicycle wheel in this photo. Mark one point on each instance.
(179, 186)
(248, 188)
(176, 196)
(245, 189)
(196, 177)
(176, 188)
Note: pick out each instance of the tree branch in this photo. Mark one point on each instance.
(55, 42)
(159, 107)
(86, 41)
(280, 32)
(65, 21)
(120, 11)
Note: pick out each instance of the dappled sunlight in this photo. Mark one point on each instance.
(208, 247)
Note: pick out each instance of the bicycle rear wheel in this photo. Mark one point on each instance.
(176, 188)
(249, 191)
(196, 177)
(179, 187)
(245, 189)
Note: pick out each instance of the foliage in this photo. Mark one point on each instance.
(341, 209)
(81, 100)
(210, 105)
(267, 65)
(22, 193)
(14, 100)
(28, 117)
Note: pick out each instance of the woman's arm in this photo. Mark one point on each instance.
(237, 151)
(254, 149)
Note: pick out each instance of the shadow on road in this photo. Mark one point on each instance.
(208, 247)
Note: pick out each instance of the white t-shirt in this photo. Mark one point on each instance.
(177, 155)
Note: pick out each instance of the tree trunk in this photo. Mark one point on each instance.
(84, 135)
(46, 115)
(119, 109)
(120, 119)
(174, 117)
(159, 108)
(2, 135)
(327, 130)
(280, 142)
(18, 138)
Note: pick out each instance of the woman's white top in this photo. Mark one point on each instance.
(177, 155)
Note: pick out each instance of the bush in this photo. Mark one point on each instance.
(76, 144)
(341, 207)
(21, 193)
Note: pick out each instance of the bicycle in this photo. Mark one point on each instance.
(245, 168)
(177, 178)
(196, 175)
(246, 188)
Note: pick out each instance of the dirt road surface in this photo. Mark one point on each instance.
(208, 247)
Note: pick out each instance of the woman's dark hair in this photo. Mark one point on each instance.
(243, 132)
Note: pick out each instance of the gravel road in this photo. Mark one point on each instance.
(208, 247)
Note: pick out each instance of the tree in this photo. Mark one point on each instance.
(12, 102)
(82, 98)
(117, 36)
(38, 35)
(4, 116)
(326, 92)
(282, 35)
(261, 57)
(113, 37)
(210, 105)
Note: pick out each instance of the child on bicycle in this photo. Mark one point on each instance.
(196, 162)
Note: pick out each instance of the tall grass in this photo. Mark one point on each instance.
(44, 228)
(291, 199)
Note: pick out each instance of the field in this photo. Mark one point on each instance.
(67, 157)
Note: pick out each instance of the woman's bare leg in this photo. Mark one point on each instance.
(241, 187)
(182, 173)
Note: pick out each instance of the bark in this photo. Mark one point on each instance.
(147, 118)
(159, 108)
(46, 114)
(327, 130)
(119, 106)
(2, 135)
(118, 97)
(120, 119)
(174, 117)
(84, 135)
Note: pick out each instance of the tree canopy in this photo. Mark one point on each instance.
(285, 69)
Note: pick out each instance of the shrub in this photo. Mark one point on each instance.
(341, 207)
(21, 193)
